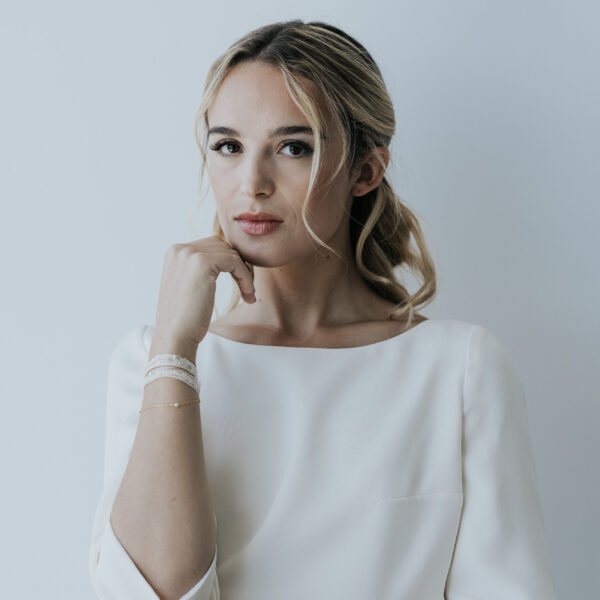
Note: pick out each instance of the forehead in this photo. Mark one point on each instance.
(254, 95)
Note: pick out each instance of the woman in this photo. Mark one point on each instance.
(347, 447)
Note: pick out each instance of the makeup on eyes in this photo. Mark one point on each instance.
(306, 148)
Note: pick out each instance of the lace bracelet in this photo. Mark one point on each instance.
(161, 366)
(172, 360)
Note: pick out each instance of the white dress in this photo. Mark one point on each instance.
(401, 470)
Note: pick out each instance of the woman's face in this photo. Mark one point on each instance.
(253, 167)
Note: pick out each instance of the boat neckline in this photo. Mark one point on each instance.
(371, 345)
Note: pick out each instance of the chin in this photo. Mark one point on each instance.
(267, 262)
(267, 259)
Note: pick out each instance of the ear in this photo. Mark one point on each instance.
(367, 175)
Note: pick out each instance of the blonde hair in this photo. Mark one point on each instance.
(353, 91)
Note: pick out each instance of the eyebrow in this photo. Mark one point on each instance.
(287, 130)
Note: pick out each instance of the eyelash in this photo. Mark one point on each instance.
(307, 149)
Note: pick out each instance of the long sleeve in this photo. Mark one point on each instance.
(500, 550)
(113, 573)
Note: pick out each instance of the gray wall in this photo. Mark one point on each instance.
(497, 151)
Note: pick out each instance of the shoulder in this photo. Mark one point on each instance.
(476, 346)
(492, 383)
(460, 331)
(486, 350)
(447, 332)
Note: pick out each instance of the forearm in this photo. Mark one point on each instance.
(162, 513)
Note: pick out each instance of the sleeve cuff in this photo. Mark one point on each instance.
(117, 576)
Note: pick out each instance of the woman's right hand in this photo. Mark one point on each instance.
(188, 285)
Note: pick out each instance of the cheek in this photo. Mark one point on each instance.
(212, 170)
(220, 180)
(325, 214)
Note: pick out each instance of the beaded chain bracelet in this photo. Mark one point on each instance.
(162, 366)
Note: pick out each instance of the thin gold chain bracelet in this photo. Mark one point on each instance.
(176, 405)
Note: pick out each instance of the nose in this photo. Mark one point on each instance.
(256, 179)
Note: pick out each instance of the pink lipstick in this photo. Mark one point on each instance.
(254, 227)
(259, 223)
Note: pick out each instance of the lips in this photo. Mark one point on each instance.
(258, 227)
(259, 216)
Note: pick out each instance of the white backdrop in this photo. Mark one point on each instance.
(497, 150)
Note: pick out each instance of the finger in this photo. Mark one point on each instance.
(243, 277)
(246, 288)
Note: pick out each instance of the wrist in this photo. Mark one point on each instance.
(165, 342)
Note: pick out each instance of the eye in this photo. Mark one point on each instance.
(298, 149)
(228, 143)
